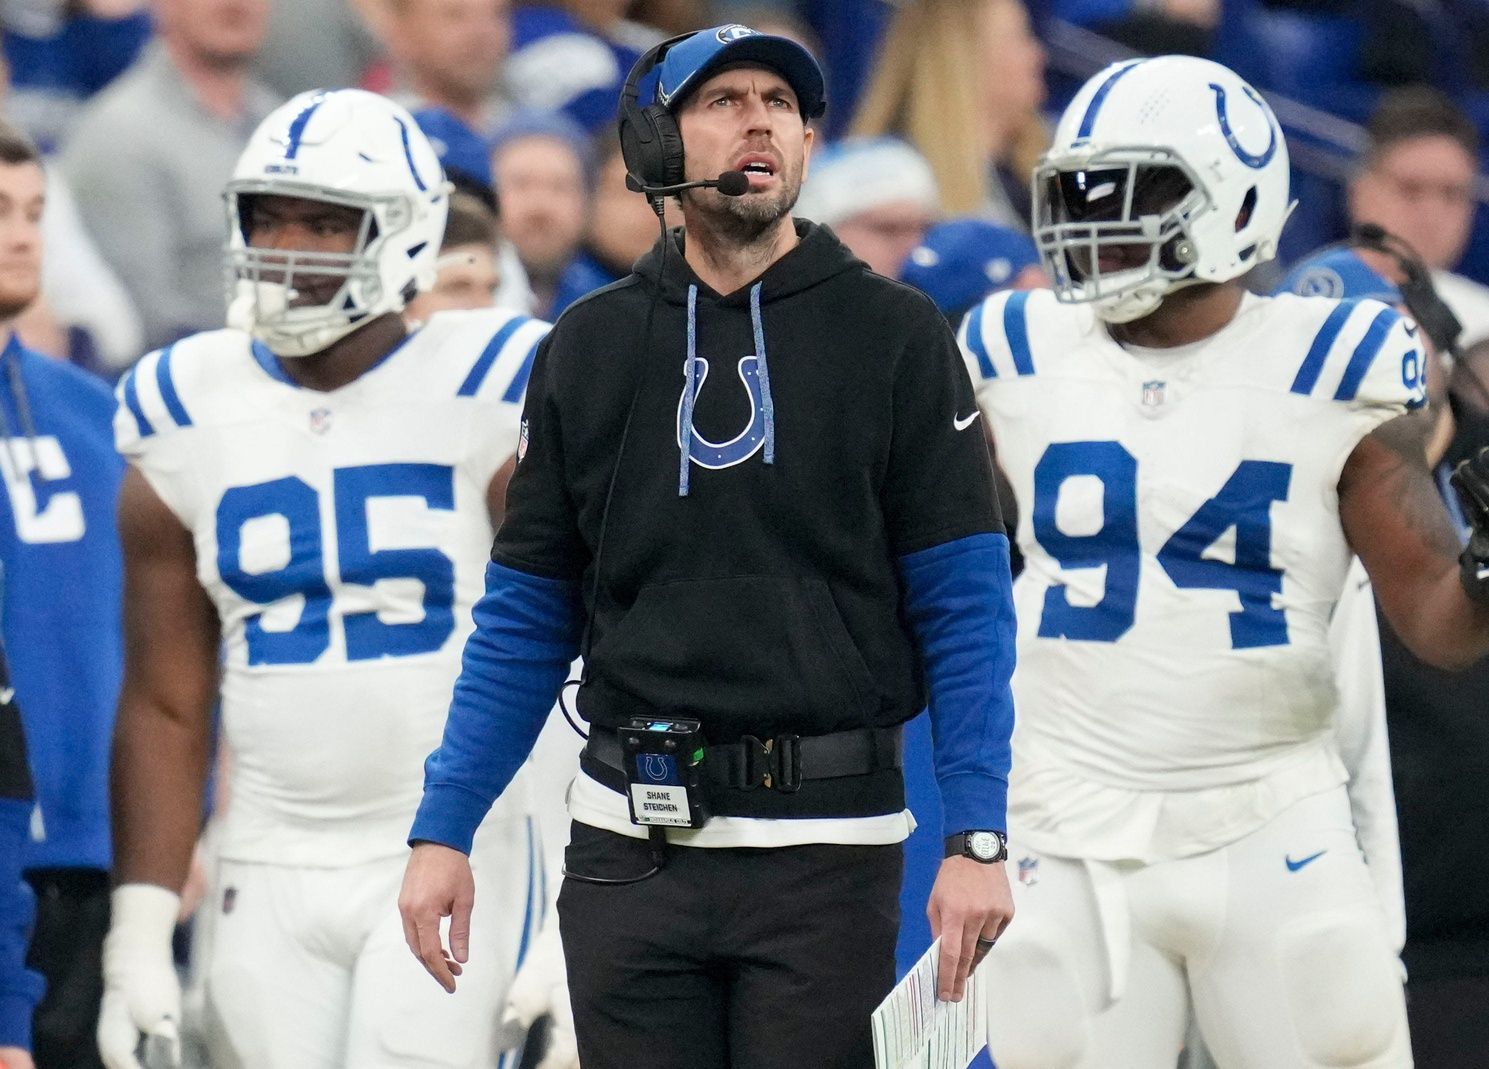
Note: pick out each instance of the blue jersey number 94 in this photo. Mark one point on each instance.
(1243, 503)
(367, 637)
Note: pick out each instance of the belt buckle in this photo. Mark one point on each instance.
(757, 762)
(774, 764)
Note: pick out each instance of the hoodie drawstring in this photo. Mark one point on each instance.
(690, 387)
(767, 405)
(689, 393)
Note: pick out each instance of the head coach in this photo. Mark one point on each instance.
(752, 492)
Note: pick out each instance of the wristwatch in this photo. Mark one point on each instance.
(985, 847)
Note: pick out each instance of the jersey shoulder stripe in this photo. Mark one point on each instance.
(518, 385)
(995, 337)
(189, 383)
(503, 343)
(975, 344)
(1318, 351)
(148, 393)
(1364, 354)
(1016, 328)
(482, 366)
(167, 387)
(129, 396)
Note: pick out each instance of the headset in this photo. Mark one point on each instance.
(1420, 297)
(651, 142)
(1417, 291)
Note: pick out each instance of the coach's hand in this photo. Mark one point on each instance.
(970, 901)
(437, 884)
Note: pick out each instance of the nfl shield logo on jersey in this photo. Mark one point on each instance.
(1153, 393)
(320, 420)
(1028, 871)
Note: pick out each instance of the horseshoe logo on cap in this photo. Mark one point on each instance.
(1254, 162)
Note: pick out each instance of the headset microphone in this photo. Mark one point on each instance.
(730, 184)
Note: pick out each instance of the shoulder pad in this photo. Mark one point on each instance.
(489, 351)
(1362, 353)
(156, 396)
(998, 342)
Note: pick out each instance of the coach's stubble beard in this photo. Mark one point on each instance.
(746, 219)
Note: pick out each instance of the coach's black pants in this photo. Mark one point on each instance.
(72, 917)
(1449, 1018)
(728, 959)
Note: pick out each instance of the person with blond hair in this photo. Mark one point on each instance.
(934, 83)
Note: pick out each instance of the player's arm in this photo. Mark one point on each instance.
(162, 735)
(1399, 527)
(496, 491)
(1002, 485)
(161, 741)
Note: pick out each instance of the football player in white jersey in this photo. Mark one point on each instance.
(1192, 467)
(312, 495)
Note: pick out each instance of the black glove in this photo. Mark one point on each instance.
(1471, 480)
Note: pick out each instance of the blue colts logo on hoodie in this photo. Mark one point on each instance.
(743, 445)
(754, 372)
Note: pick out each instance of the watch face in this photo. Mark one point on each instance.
(983, 845)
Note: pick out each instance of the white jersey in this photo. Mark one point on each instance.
(343, 537)
(1178, 515)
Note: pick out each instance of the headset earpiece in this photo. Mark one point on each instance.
(650, 141)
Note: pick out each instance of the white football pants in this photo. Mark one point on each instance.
(1276, 942)
(307, 968)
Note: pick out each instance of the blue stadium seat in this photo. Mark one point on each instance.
(1311, 58)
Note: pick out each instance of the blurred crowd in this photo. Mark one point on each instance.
(938, 110)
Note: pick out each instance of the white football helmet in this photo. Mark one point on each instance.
(1163, 173)
(347, 147)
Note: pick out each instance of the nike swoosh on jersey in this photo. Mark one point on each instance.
(1294, 866)
(961, 423)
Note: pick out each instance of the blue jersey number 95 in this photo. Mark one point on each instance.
(298, 504)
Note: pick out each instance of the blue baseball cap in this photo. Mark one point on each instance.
(961, 261)
(1338, 273)
(461, 151)
(688, 64)
(534, 122)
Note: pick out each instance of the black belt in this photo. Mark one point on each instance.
(781, 764)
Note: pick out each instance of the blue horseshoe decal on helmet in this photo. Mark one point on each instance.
(746, 443)
(1256, 163)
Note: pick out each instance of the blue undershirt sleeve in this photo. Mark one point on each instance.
(515, 661)
(959, 602)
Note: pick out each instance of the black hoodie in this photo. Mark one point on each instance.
(753, 588)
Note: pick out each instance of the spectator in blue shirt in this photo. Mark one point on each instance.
(61, 606)
(539, 161)
(961, 261)
(19, 987)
